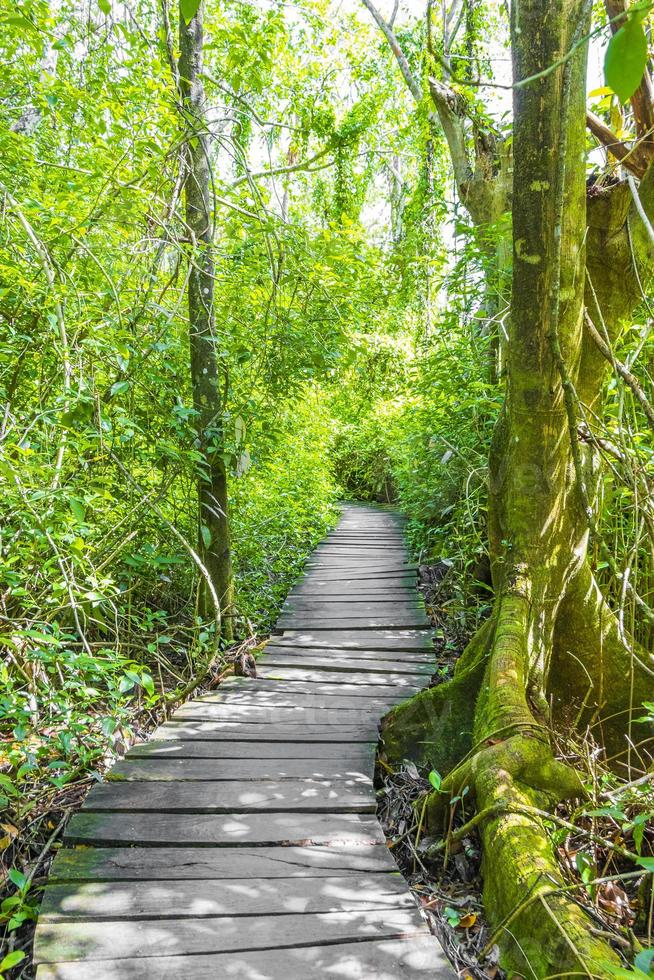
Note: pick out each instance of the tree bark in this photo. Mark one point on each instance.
(208, 373)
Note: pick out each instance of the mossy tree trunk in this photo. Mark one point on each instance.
(208, 374)
(490, 726)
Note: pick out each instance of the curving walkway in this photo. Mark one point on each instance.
(242, 841)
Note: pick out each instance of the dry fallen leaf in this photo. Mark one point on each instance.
(467, 921)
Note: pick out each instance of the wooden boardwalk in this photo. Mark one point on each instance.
(242, 841)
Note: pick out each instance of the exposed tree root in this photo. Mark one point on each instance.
(512, 774)
(434, 728)
(596, 670)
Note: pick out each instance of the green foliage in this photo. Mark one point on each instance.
(626, 54)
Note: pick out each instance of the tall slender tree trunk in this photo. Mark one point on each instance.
(208, 373)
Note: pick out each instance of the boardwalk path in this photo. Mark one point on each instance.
(242, 841)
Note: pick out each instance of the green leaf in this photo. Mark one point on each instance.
(647, 863)
(189, 9)
(206, 535)
(645, 960)
(147, 684)
(12, 959)
(8, 786)
(18, 878)
(626, 58)
(104, 6)
(118, 388)
(435, 779)
(78, 509)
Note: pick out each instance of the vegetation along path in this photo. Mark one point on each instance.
(242, 841)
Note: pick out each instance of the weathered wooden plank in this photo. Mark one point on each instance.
(347, 608)
(295, 671)
(281, 694)
(255, 714)
(380, 674)
(348, 639)
(286, 646)
(178, 863)
(282, 701)
(363, 671)
(274, 732)
(356, 553)
(336, 585)
(164, 787)
(410, 958)
(184, 766)
(235, 830)
(261, 686)
(356, 754)
(204, 898)
(312, 621)
(363, 567)
(353, 598)
(90, 940)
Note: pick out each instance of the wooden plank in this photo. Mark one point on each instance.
(179, 863)
(164, 787)
(255, 714)
(283, 646)
(368, 551)
(348, 639)
(413, 958)
(353, 607)
(235, 830)
(364, 670)
(273, 733)
(386, 681)
(377, 673)
(356, 754)
(235, 771)
(356, 568)
(363, 585)
(280, 694)
(261, 686)
(89, 940)
(353, 598)
(311, 621)
(203, 898)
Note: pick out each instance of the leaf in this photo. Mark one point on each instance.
(585, 866)
(626, 58)
(468, 920)
(118, 388)
(12, 959)
(452, 915)
(78, 509)
(104, 6)
(148, 684)
(189, 9)
(18, 878)
(206, 535)
(8, 785)
(645, 960)
(647, 863)
(435, 779)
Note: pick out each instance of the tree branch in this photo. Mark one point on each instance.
(633, 158)
(291, 169)
(629, 379)
(412, 82)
